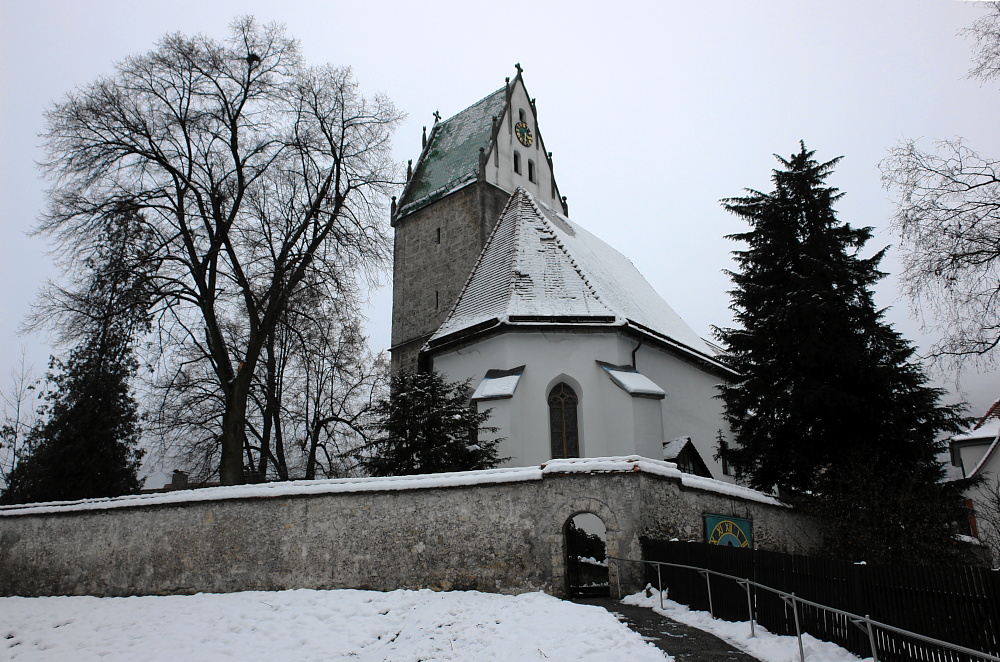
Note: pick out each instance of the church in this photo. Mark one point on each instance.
(561, 337)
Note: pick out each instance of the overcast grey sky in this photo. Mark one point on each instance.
(653, 110)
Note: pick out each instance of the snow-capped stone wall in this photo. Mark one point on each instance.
(497, 531)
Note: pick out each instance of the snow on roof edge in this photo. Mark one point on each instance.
(986, 456)
(616, 464)
(440, 192)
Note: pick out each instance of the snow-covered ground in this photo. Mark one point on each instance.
(764, 646)
(400, 626)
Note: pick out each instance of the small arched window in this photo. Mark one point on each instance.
(563, 429)
(520, 114)
(517, 162)
(531, 170)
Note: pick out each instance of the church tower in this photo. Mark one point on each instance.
(468, 168)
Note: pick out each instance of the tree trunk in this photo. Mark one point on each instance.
(234, 422)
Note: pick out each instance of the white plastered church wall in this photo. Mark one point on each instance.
(611, 422)
(692, 407)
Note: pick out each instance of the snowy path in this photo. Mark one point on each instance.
(764, 646)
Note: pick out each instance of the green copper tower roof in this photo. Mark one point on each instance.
(451, 156)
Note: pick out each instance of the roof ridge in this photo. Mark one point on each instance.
(992, 412)
(517, 261)
(569, 254)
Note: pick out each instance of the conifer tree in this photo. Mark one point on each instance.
(88, 446)
(87, 443)
(426, 425)
(831, 405)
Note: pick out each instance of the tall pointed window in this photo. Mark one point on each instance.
(563, 429)
(517, 162)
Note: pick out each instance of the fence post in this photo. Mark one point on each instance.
(867, 627)
(746, 587)
(798, 630)
(659, 585)
(708, 584)
(790, 597)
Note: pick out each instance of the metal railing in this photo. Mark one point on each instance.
(866, 624)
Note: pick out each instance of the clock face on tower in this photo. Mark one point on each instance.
(523, 133)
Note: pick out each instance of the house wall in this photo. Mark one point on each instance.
(692, 407)
(986, 504)
(611, 421)
(506, 537)
(969, 454)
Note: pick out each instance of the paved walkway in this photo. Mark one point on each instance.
(681, 641)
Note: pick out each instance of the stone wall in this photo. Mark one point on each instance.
(491, 536)
(435, 249)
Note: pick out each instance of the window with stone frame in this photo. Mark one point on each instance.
(564, 430)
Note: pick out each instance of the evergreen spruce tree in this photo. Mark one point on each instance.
(831, 406)
(87, 444)
(426, 425)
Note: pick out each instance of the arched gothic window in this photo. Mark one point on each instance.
(563, 429)
(517, 162)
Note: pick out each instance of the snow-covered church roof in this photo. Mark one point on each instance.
(450, 158)
(539, 267)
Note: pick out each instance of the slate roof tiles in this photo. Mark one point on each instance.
(451, 156)
(538, 266)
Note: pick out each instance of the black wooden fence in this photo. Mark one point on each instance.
(960, 605)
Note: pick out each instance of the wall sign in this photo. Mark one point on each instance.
(728, 531)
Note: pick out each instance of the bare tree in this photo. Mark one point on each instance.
(309, 402)
(19, 403)
(252, 173)
(948, 218)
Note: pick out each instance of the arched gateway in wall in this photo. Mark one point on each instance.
(586, 556)
(565, 513)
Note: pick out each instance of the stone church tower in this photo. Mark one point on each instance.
(469, 167)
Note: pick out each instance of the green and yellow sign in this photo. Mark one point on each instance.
(728, 531)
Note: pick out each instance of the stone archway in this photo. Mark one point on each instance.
(560, 516)
(586, 556)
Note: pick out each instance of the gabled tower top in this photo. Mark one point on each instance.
(496, 140)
